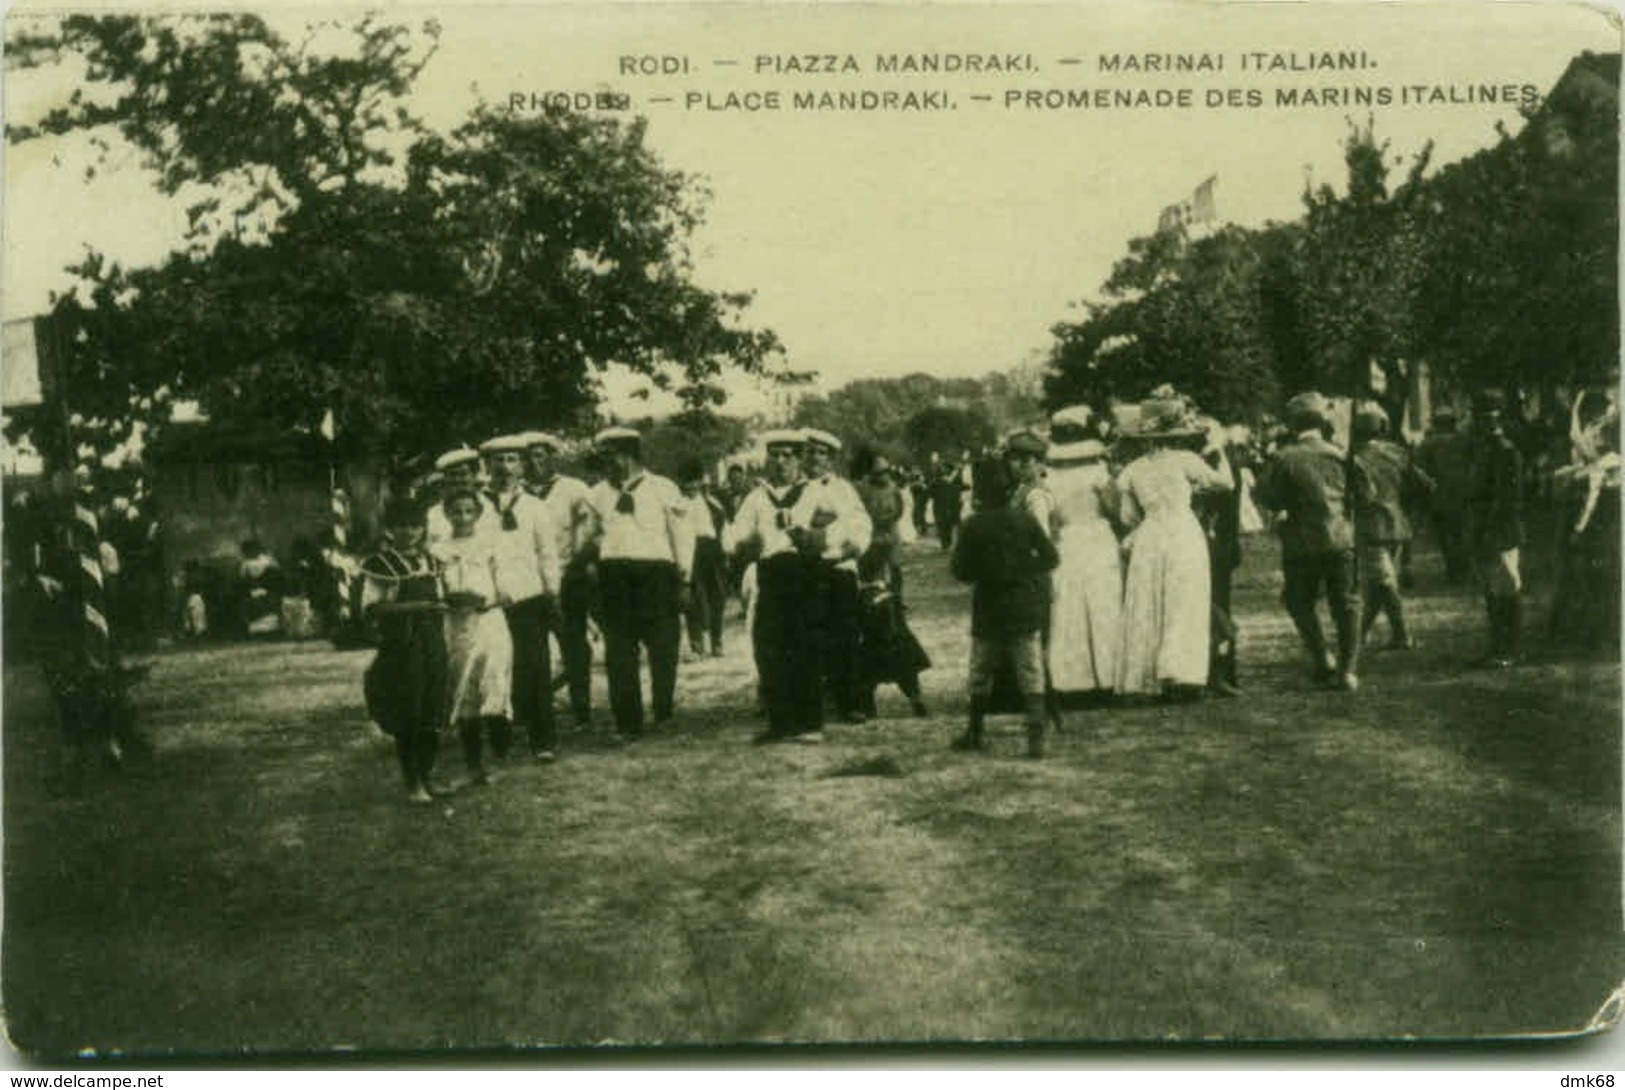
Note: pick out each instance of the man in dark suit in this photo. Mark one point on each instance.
(1495, 527)
(1308, 484)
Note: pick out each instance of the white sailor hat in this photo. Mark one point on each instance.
(543, 439)
(504, 444)
(460, 456)
(617, 436)
(1073, 416)
(817, 437)
(783, 437)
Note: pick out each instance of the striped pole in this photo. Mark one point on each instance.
(339, 504)
(94, 631)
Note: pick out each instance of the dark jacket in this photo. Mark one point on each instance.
(1308, 482)
(1006, 557)
(1387, 482)
(1495, 494)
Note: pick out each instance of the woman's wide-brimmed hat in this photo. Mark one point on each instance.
(1164, 418)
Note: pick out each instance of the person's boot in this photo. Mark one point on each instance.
(1512, 629)
(468, 732)
(1037, 725)
(1369, 614)
(1399, 632)
(974, 738)
(1497, 632)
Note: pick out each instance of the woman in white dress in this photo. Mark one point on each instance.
(1086, 632)
(1167, 591)
(478, 646)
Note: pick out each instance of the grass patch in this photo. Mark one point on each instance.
(1437, 856)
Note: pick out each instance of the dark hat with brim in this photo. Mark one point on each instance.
(1026, 444)
(1308, 410)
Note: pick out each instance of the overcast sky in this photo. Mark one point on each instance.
(881, 243)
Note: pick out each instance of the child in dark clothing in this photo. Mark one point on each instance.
(1006, 557)
(405, 685)
(889, 649)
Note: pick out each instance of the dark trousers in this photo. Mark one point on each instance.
(1448, 529)
(417, 753)
(532, 673)
(639, 603)
(575, 605)
(708, 596)
(1222, 665)
(1306, 577)
(471, 732)
(790, 596)
(841, 636)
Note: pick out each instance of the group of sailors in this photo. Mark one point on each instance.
(466, 593)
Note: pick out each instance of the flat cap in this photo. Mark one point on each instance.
(543, 439)
(457, 457)
(503, 444)
(617, 436)
(1026, 442)
(784, 437)
(817, 437)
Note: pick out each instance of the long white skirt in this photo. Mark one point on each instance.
(480, 654)
(1167, 605)
(1086, 609)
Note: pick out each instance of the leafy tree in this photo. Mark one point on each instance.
(1360, 260)
(692, 439)
(1177, 310)
(1523, 263)
(419, 287)
(947, 430)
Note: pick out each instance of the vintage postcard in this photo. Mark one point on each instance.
(541, 526)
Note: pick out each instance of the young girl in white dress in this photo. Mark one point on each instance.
(479, 649)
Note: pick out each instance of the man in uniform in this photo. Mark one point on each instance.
(1495, 527)
(644, 554)
(527, 578)
(845, 530)
(1386, 478)
(569, 504)
(774, 527)
(1443, 456)
(1308, 483)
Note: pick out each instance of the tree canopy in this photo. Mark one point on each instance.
(342, 259)
(1500, 270)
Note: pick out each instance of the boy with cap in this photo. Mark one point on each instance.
(1307, 482)
(1024, 453)
(527, 576)
(568, 501)
(1007, 558)
(845, 531)
(644, 553)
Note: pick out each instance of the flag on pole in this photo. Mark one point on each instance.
(1200, 209)
(1203, 207)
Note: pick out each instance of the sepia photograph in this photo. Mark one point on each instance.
(555, 531)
